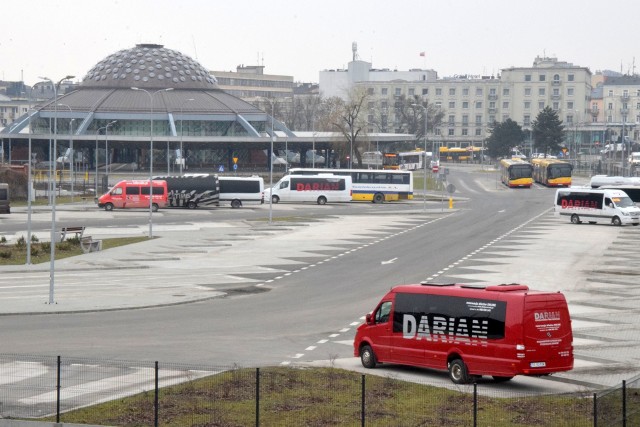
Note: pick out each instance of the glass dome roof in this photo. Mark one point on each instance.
(149, 66)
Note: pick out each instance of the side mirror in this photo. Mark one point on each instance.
(369, 319)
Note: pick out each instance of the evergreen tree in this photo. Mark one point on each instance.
(504, 137)
(548, 131)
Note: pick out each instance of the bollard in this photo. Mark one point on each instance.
(450, 202)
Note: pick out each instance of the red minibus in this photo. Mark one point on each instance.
(135, 194)
(469, 330)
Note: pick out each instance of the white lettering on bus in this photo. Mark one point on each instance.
(547, 315)
(444, 329)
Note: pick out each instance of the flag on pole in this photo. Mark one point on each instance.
(422, 54)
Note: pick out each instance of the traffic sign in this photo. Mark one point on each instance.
(435, 168)
(235, 160)
(235, 167)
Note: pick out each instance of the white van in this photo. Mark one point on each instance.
(239, 190)
(321, 188)
(610, 206)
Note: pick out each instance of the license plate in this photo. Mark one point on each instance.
(538, 364)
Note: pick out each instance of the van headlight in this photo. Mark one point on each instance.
(625, 213)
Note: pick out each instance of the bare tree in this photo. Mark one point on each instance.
(350, 121)
(411, 112)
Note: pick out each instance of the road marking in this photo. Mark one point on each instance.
(391, 261)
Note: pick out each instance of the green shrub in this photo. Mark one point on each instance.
(5, 254)
(21, 243)
(34, 238)
(3, 240)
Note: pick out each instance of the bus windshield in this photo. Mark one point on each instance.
(623, 202)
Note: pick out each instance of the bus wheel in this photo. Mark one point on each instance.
(154, 207)
(378, 198)
(368, 357)
(108, 207)
(275, 199)
(616, 221)
(192, 204)
(501, 379)
(236, 204)
(322, 200)
(575, 219)
(458, 372)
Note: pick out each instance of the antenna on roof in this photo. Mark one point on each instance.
(195, 51)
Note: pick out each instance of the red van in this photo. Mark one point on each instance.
(134, 194)
(469, 330)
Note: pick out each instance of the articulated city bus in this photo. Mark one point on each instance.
(516, 173)
(371, 185)
(414, 160)
(552, 172)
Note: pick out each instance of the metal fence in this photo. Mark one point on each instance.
(134, 393)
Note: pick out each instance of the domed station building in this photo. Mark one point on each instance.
(144, 97)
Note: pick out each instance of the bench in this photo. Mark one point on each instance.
(89, 245)
(78, 231)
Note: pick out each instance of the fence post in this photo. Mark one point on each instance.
(362, 402)
(595, 409)
(155, 399)
(257, 397)
(58, 391)
(475, 404)
(624, 403)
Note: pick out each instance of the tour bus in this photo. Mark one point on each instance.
(239, 190)
(516, 173)
(469, 330)
(321, 188)
(628, 184)
(4, 198)
(135, 194)
(552, 172)
(600, 205)
(376, 186)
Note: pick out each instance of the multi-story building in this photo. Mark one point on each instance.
(621, 104)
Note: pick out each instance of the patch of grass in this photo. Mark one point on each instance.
(327, 396)
(16, 254)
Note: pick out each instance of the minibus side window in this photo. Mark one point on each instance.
(608, 202)
(117, 191)
(284, 184)
(133, 191)
(382, 314)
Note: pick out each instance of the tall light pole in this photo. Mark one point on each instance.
(70, 149)
(151, 95)
(182, 160)
(53, 197)
(424, 160)
(29, 185)
(106, 150)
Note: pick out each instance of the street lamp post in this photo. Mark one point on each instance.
(151, 95)
(106, 150)
(424, 182)
(29, 185)
(70, 149)
(181, 133)
(53, 197)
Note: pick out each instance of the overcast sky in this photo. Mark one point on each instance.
(55, 38)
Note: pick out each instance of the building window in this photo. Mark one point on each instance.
(542, 77)
(438, 133)
(438, 104)
(505, 104)
(412, 91)
(527, 120)
(465, 132)
(556, 78)
(527, 105)
(492, 105)
(465, 91)
(478, 132)
(465, 120)
(541, 91)
(610, 106)
(610, 92)
(425, 91)
(479, 104)
(465, 104)
(492, 91)
(479, 119)
(479, 91)
(451, 132)
(438, 91)
(452, 119)
(505, 117)
(570, 91)
(638, 106)
(384, 91)
(370, 91)
(570, 77)
(492, 118)
(625, 93)
(452, 104)
(556, 106)
(505, 91)
(370, 105)
(609, 119)
(452, 91)
(556, 91)
(398, 91)
(370, 118)
(570, 105)
(527, 77)
(541, 105)
(384, 105)
(569, 119)
(527, 91)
